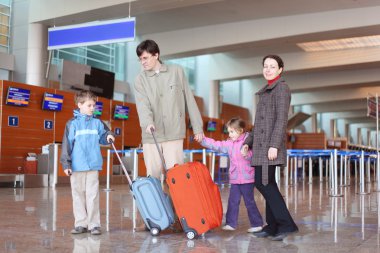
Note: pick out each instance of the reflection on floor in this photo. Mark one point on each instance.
(40, 219)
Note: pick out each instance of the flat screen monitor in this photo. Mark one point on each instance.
(101, 82)
(17, 97)
(52, 102)
(98, 109)
(225, 129)
(211, 126)
(121, 112)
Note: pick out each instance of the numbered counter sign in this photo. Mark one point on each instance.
(48, 124)
(13, 121)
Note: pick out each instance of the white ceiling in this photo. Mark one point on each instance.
(345, 70)
(168, 15)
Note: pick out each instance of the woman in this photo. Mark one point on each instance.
(268, 141)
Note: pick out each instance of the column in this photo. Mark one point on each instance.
(37, 55)
(333, 130)
(314, 123)
(255, 100)
(213, 108)
(369, 138)
(359, 134)
(347, 131)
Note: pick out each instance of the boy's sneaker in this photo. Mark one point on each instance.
(79, 230)
(96, 231)
(228, 228)
(254, 229)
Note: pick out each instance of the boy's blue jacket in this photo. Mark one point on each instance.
(80, 144)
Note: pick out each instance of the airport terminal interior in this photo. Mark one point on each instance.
(330, 182)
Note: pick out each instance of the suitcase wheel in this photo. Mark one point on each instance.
(154, 231)
(191, 234)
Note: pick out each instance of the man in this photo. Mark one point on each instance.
(162, 97)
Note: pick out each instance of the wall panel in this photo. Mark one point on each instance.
(132, 129)
(63, 116)
(229, 111)
(306, 141)
(30, 135)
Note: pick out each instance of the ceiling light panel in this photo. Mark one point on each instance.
(339, 44)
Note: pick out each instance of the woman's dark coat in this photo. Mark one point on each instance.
(270, 126)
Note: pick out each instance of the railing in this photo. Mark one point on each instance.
(331, 158)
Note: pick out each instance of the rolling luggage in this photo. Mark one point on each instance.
(153, 204)
(196, 198)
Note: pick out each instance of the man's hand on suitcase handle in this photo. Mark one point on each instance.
(197, 137)
(150, 129)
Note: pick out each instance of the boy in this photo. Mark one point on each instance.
(81, 159)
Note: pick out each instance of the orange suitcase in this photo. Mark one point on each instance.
(196, 198)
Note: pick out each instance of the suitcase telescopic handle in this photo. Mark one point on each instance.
(159, 151)
(122, 164)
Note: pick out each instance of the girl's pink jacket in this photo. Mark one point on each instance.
(240, 170)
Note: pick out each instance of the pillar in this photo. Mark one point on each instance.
(37, 55)
(214, 99)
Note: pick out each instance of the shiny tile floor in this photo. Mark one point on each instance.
(40, 220)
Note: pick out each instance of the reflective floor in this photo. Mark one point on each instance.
(40, 220)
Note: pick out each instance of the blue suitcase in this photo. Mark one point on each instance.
(153, 204)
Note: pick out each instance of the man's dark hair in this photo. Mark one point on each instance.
(150, 46)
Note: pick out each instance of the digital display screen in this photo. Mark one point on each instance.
(121, 112)
(225, 129)
(100, 82)
(52, 102)
(211, 126)
(18, 97)
(98, 109)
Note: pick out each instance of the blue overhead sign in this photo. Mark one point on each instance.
(94, 33)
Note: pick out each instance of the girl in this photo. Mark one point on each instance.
(241, 176)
